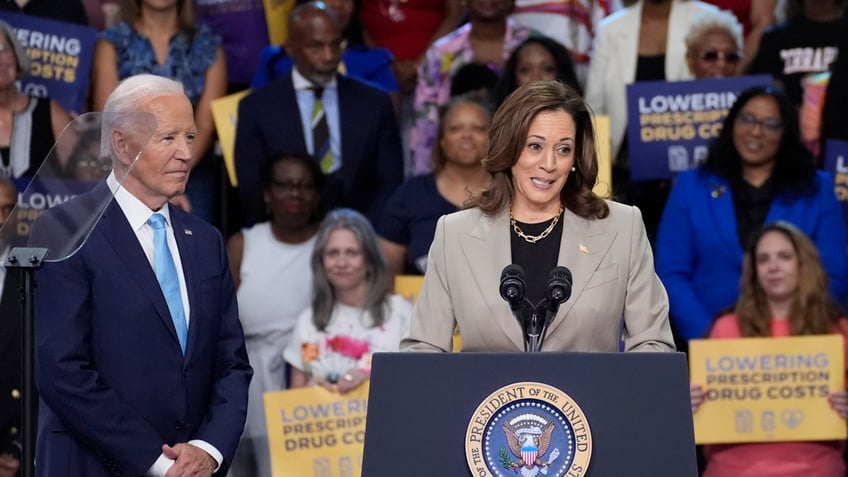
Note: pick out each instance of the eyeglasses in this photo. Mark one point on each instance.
(289, 187)
(771, 125)
(714, 55)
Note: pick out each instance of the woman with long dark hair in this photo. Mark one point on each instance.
(757, 171)
(538, 58)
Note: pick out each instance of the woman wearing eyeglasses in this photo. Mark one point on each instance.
(757, 172)
(270, 267)
(714, 45)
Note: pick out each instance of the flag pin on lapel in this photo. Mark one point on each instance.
(584, 249)
(187, 231)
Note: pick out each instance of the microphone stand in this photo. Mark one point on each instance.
(534, 333)
(27, 261)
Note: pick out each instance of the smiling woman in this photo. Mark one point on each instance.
(783, 293)
(757, 171)
(539, 212)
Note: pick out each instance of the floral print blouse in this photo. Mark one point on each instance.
(348, 341)
(189, 56)
(447, 55)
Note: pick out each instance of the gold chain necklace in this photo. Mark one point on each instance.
(534, 238)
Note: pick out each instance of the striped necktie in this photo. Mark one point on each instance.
(321, 133)
(166, 275)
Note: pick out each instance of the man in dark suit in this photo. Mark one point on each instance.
(10, 347)
(140, 359)
(364, 161)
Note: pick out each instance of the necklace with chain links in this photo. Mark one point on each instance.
(534, 238)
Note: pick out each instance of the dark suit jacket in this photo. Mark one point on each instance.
(10, 358)
(113, 383)
(372, 157)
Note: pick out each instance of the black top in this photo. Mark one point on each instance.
(10, 361)
(792, 50)
(650, 68)
(69, 11)
(537, 259)
(41, 140)
(751, 205)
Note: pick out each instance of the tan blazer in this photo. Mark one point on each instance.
(613, 277)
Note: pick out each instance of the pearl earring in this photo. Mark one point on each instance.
(573, 168)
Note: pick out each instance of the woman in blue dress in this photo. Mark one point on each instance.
(409, 219)
(161, 38)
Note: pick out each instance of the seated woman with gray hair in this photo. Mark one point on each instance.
(714, 45)
(352, 314)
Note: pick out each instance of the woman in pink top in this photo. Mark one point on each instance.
(783, 293)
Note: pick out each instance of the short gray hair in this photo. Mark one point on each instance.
(708, 22)
(128, 97)
(21, 57)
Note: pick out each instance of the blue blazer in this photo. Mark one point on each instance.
(372, 156)
(113, 383)
(699, 258)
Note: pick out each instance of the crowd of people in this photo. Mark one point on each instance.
(442, 138)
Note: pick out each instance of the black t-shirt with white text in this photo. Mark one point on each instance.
(791, 51)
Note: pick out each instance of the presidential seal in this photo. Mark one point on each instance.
(528, 429)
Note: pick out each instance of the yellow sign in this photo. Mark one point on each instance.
(409, 286)
(603, 187)
(314, 432)
(276, 15)
(768, 389)
(225, 115)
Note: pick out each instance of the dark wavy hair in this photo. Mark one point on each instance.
(508, 81)
(794, 172)
(508, 135)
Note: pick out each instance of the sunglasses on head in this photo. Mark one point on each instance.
(713, 55)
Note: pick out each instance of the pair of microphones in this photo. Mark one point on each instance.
(534, 318)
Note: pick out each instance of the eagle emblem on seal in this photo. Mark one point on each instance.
(529, 438)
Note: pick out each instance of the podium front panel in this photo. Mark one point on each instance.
(636, 404)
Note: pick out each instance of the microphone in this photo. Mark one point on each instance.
(513, 286)
(559, 290)
(559, 287)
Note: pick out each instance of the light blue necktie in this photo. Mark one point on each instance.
(166, 274)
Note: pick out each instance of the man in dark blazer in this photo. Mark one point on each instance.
(276, 119)
(10, 347)
(122, 391)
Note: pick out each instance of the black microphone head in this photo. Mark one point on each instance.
(512, 285)
(559, 285)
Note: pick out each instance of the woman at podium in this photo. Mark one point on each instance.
(539, 212)
(783, 293)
